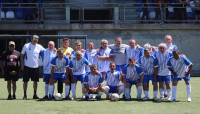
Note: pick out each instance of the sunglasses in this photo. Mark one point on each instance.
(35, 39)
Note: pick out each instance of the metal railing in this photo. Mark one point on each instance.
(119, 12)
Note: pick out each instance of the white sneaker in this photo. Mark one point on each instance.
(161, 99)
(90, 96)
(155, 99)
(189, 99)
(145, 98)
(171, 100)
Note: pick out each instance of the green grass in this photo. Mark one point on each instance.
(20, 106)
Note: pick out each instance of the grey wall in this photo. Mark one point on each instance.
(188, 41)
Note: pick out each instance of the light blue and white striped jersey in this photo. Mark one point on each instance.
(171, 47)
(91, 56)
(78, 67)
(112, 79)
(103, 65)
(148, 64)
(74, 53)
(162, 60)
(132, 74)
(179, 66)
(47, 56)
(93, 81)
(135, 53)
(60, 64)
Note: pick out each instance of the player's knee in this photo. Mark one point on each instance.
(84, 90)
(187, 83)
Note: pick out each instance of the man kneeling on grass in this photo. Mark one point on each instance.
(93, 84)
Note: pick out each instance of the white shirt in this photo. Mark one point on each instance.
(119, 53)
(60, 64)
(93, 81)
(102, 64)
(162, 63)
(31, 54)
(135, 53)
(91, 56)
(112, 79)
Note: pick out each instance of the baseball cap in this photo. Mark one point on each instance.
(11, 43)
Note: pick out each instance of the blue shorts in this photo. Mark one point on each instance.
(46, 77)
(132, 82)
(119, 67)
(113, 89)
(186, 79)
(166, 79)
(79, 77)
(147, 78)
(59, 75)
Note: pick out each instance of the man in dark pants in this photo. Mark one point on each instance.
(145, 10)
(11, 69)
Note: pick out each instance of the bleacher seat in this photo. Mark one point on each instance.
(10, 14)
(2, 15)
(152, 14)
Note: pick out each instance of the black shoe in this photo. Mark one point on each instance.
(25, 97)
(45, 97)
(9, 97)
(165, 95)
(14, 96)
(35, 97)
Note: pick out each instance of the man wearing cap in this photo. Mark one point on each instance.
(11, 69)
(29, 64)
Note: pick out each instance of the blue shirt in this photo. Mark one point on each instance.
(112, 79)
(60, 65)
(132, 74)
(93, 81)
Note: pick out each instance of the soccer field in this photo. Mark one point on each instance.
(20, 106)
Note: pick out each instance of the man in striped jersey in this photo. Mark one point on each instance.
(164, 75)
(113, 78)
(180, 67)
(148, 63)
(47, 55)
(170, 45)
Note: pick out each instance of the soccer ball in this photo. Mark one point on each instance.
(58, 96)
(114, 97)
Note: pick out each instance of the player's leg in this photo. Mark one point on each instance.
(188, 86)
(67, 89)
(35, 79)
(120, 89)
(100, 91)
(145, 87)
(85, 93)
(60, 86)
(174, 89)
(26, 75)
(73, 85)
(107, 89)
(46, 78)
(167, 82)
(9, 90)
(127, 90)
(51, 86)
(161, 80)
(14, 87)
(139, 90)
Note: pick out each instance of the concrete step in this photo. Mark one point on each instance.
(54, 17)
(54, 11)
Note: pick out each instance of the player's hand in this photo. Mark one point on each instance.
(67, 81)
(55, 49)
(51, 81)
(139, 83)
(97, 72)
(138, 46)
(82, 50)
(126, 85)
(174, 74)
(155, 79)
(187, 74)
(22, 68)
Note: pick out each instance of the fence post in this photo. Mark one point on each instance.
(116, 15)
(67, 15)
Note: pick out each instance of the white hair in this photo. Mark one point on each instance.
(162, 45)
(104, 40)
(168, 36)
(147, 46)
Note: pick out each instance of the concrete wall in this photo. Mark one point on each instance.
(188, 41)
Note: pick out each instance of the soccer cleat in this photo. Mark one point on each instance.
(25, 97)
(189, 99)
(165, 95)
(86, 98)
(9, 97)
(50, 97)
(139, 98)
(68, 98)
(124, 97)
(35, 97)
(107, 97)
(145, 98)
(171, 100)
(155, 99)
(161, 99)
(45, 97)
(98, 98)
(14, 96)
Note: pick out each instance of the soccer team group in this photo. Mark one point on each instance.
(119, 65)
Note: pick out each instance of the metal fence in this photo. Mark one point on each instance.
(82, 13)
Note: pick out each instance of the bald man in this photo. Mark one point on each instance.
(47, 55)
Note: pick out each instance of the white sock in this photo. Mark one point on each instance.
(189, 91)
(168, 93)
(139, 94)
(100, 93)
(174, 88)
(146, 93)
(46, 89)
(127, 92)
(51, 89)
(124, 89)
(85, 94)
(107, 88)
(73, 87)
(82, 85)
(161, 92)
(67, 87)
(121, 89)
(155, 93)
